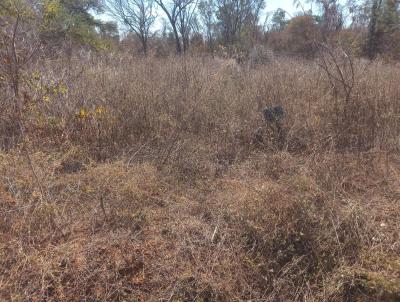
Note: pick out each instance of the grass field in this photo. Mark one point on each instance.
(158, 180)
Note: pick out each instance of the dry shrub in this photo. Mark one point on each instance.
(266, 229)
(115, 104)
(142, 182)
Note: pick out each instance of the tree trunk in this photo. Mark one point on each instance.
(144, 45)
(177, 39)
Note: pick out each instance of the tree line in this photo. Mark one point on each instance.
(369, 27)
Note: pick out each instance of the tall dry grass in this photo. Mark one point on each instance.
(146, 181)
(211, 101)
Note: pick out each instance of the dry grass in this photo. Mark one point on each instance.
(145, 182)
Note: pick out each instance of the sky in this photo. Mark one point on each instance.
(287, 5)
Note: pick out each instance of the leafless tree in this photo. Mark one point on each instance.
(179, 13)
(137, 15)
(186, 22)
(207, 16)
(332, 16)
(234, 15)
(338, 66)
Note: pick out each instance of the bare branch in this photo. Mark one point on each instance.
(177, 15)
(137, 15)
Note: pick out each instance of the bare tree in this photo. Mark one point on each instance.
(137, 15)
(178, 14)
(358, 14)
(234, 15)
(186, 22)
(332, 17)
(338, 66)
(207, 16)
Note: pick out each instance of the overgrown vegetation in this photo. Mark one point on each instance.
(144, 178)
